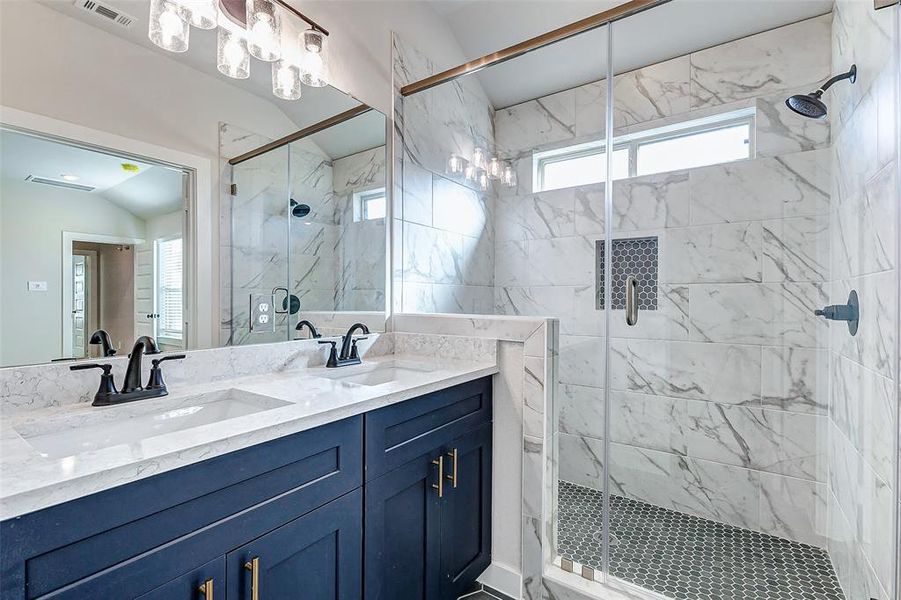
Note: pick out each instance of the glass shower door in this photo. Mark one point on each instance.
(751, 443)
(259, 249)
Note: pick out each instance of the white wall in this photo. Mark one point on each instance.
(34, 217)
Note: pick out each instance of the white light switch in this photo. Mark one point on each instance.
(37, 286)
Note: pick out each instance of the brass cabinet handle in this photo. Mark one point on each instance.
(207, 589)
(453, 475)
(440, 485)
(253, 565)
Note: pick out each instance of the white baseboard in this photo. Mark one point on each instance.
(503, 578)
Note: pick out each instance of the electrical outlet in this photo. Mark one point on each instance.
(262, 317)
(37, 286)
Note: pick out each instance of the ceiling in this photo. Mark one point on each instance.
(315, 105)
(150, 191)
(673, 29)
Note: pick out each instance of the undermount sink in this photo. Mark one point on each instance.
(377, 373)
(132, 423)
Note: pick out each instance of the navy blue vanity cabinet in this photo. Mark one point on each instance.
(203, 583)
(318, 556)
(425, 538)
(466, 512)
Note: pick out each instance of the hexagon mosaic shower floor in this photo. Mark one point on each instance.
(689, 558)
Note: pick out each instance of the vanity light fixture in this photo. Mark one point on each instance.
(247, 28)
(482, 170)
(68, 177)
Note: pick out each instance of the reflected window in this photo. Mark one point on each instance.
(687, 145)
(370, 205)
(169, 280)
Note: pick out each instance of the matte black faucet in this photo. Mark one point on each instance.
(143, 345)
(313, 332)
(101, 338)
(349, 354)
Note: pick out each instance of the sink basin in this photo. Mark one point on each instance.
(376, 374)
(132, 423)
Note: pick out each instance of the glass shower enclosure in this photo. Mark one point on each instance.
(726, 404)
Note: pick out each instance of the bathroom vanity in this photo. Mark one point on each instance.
(385, 495)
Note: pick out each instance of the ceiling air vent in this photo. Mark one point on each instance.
(108, 12)
(60, 183)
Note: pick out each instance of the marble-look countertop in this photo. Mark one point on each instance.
(302, 399)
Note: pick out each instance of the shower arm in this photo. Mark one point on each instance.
(851, 74)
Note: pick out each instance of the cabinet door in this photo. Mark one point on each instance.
(401, 541)
(204, 583)
(466, 513)
(315, 557)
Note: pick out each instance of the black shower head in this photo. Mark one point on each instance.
(810, 105)
(298, 209)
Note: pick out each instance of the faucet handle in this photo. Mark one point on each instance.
(354, 353)
(157, 361)
(156, 381)
(107, 387)
(333, 353)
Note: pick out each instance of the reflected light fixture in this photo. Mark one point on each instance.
(482, 170)
(455, 165)
(68, 177)
(247, 28)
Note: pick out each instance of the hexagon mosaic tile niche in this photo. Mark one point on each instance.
(688, 558)
(631, 256)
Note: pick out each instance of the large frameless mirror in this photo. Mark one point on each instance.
(116, 192)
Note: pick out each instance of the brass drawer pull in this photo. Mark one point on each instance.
(253, 565)
(453, 475)
(207, 589)
(440, 485)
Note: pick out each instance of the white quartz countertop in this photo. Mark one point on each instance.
(33, 477)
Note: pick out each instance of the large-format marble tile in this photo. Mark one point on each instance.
(794, 509)
(794, 379)
(651, 202)
(669, 322)
(591, 109)
(562, 261)
(760, 64)
(653, 92)
(856, 152)
(533, 399)
(417, 196)
(589, 209)
(796, 249)
(729, 252)
(431, 255)
(721, 373)
(459, 209)
(545, 301)
(767, 188)
(580, 410)
(752, 313)
(477, 260)
(581, 360)
(782, 131)
(542, 215)
(877, 329)
(706, 489)
(581, 460)
(536, 122)
(511, 267)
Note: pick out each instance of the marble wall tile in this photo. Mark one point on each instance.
(726, 374)
(581, 460)
(872, 346)
(669, 322)
(796, 249)
(581, 360)
(714, 253)
(581, 411)
(478, 261)
(535, 377)
(653, 92)
(766, 314)
(794, 509)
(542, 215)
(562, 261)
(766, 188)
(432, 255)
(649, 202)
(511, 266)
(459, 209)
(536, 122)
(417, 194)
(547, 301)
(764, 63)
(589, 208)
(447, 298)
(591, 109)
(794, 379)
(781, 131)
(706, 489)
(855, 152)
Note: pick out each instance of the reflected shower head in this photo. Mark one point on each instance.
(810, 105)
(298, 209)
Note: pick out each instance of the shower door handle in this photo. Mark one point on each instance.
(631, 301)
